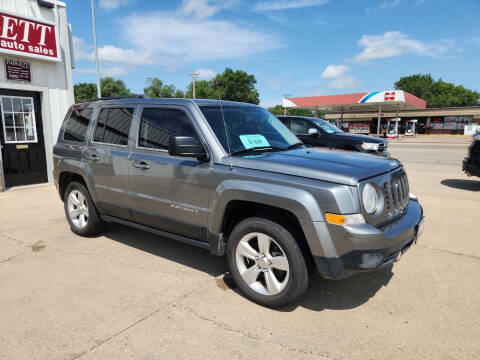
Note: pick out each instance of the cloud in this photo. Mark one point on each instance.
(104, 72)
(111, 53)
(344, 82)
(287, 4)
(206, 74)
(395, 43)
(114, 4)
(388, 4)
(334, 71)
(185, 40)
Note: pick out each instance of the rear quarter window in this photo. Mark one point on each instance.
(77, 125)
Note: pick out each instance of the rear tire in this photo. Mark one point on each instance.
(266, 262)
(80, 211)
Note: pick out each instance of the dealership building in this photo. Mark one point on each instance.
(364, 112)
(36, 87)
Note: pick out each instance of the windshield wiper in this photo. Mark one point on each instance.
(256, 149)
(294, 145)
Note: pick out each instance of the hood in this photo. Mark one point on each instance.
(337, 166)
(359, 138)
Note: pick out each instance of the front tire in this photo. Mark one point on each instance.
(80, 211)
(266, 262)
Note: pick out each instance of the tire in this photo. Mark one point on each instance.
(84, 221)
(256, 276)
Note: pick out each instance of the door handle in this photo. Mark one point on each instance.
(92, 157)
(141, 165)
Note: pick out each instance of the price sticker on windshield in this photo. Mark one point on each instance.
(253, 141)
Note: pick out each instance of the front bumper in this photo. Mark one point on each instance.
(470, 168)
(373, 248)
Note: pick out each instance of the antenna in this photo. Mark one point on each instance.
(223, 115)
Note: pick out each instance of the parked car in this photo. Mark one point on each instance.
(319, 132)
(471, 164)
(231, 178)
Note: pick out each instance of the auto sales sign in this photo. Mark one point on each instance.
(27, 37)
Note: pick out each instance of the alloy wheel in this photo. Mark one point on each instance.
(262, 263)
(78, 209)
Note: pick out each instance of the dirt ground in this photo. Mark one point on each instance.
(132, 295)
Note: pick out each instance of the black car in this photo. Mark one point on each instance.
(471, 164)
(318, 132)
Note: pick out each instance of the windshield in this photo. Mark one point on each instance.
(326, 126)
(248, 128)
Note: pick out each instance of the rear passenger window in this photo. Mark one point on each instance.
(157, 125)
(77, 125)
(113, 126)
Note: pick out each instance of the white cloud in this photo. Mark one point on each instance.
(80, 48)
(111, 53)
(205, 73)
(287, 4)
(104, 72)
(114, 4)
(334, 71)
(395, 43)
(344, 82)
(387, 4)
(201, 8)
(184, 39)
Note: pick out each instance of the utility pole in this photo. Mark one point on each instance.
(194, 78)
(99, 91)
(285, 108)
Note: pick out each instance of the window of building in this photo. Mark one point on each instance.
(18, 117)
(77, 125)
(157, 125)
(113, 126)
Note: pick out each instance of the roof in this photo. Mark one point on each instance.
(390, 100)
(146, 100)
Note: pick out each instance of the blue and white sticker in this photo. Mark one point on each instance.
(253, 141)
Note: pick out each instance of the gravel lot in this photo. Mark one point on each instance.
(133, 295)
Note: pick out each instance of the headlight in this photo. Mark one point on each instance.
(370, 146)
(371, 201)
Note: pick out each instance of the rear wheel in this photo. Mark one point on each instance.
(266, 262)
(80, 211)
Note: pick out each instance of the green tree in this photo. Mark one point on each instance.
(84, 91)
(156, 89)
(280, 110)
(109, 87)
(230, 85)
(437, 93)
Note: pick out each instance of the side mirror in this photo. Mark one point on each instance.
(313, 132)
(187, 146)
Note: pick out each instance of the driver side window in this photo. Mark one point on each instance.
(158, 124)
(299, 126)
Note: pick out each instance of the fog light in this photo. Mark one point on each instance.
(371, 261)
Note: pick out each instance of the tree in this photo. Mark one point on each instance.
(109, 87)
(230, 85)
(280, 110)
(156, 89)
(437, 93)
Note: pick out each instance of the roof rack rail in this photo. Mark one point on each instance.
(118, 97)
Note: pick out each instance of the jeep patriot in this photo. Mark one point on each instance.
(231, 178)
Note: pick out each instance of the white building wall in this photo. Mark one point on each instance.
(52, 79)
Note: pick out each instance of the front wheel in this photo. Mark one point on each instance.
(266, 262)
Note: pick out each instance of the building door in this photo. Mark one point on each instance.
(21, 138)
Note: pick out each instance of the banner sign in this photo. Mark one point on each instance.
(18, 71)
(359, 127)
(27, 37)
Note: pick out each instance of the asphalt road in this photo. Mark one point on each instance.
(132, 295)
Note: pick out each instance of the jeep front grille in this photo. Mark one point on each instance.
(396, 193)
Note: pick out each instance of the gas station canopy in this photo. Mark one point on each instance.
(393, 100)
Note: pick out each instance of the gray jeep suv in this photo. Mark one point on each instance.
(231, 178)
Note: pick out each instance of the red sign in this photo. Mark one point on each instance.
(389, 96)
(18, 71)
(22, 36)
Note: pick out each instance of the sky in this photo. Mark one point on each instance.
(294, 47)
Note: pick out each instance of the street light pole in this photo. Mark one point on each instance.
(97, 67)
(285, 108)
(194, 78)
